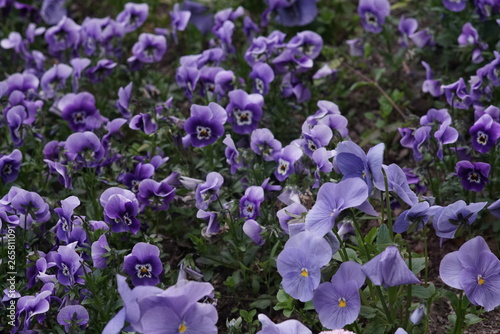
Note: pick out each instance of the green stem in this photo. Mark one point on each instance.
(426, 256)
(388, 205)
(460, 315)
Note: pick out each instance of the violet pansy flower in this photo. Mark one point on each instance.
(455, 5)
(10, 165)
(285, 327)
(485, 133)
(80, 111)
(373, 14)
(133, 16)
(353, 162)
(232, 154)
(72, 316)
(332, 199)
(474, 175)
(149, 48)
(262, 75)
(64, 35)
(262, 142)
(143, 122)
(70, 264)
(253, 230)
(315, 137)
(449, 219)
(389, 269)
(143, 264)
(208, 191)
(206, 124)
(430, 85)
(244, 111)
(285, 160)
(100, 249)
(251, 201)
(300, 264)
(415, 217)
(120, 209)
(156, 195)
(84, 148)
(54, 79)
(180, 19)
(474, 269)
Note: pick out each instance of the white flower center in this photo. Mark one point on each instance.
(143, 270)
(482, 138)
(283, 166)
(203, 132)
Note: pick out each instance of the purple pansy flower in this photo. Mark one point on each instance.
(143, 264)
(10, 165)
(430, 85)
(250, 202)
(407, 26)
(290, 214)
(53, 11)
(285, 160)
(373, 14)
(415, 217)
(263, 143)
(474, 269)
(55, 79)
(65, 225)
(133, 16)
(485, 133)
(397, 182)
(352, 161)
(332, 199)
(84, 148)
(323, 164)
(80, 112)
(449, 219)
(474, 175)
(72, 316)
(292, 13)
(300, 264)
(315, 137)
(232, 154)
(262, 75)
(124, 99)
(338, 302)
(455, 5)
(206, 124)
(101, 70)
(208, 191)
(285, 327)
(156, 195)
(64, 35)
(142, 171)
(143, 122)
(31, 306)
(149, 49)
(253, 230)
(120, 209)
(179, 20)
(100, 249)
(244, 111)
(389, 269)
(213, 226)
(70, 264)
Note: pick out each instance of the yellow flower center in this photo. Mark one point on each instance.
(304, 272)
(342, 302)
(182, 328)
(480, 280)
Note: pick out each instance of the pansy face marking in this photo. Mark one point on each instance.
(143, 270)
(243, 117)
(249, 209)
(7, 169)
(135, 186)
(203, 132)
(64, 224)
(482, 138)
(127, 220)
(342, 302)
(283, 166)
(312, 145)
(474, 177)
(371, 19)
(65, 269)
(259, 85)
(79, 117)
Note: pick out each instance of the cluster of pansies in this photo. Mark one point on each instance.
(116, 146)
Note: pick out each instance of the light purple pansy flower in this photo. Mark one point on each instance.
(100, 249)
(285, 327)
(133, 16)
(80, 111)
(263, 143)
(120, 209)
(250, 202)
(253, 230)
(415, 217)
(206, 124)
(208, 191)
(262, 75)
(143, 122)
(389, 269)
(474, 269)
(300, 264)
(285, 160)
(447, 220)
(72, 316)
(244, 111)
(149, 48)
(373, 14)
(10, 165)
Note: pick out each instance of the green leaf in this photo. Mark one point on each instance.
(287, 313)
(360, 84)
(370, 237)
(383, 235)
(471, 319)
(420, 292)
(417, 264)
(262, 303)
(367, 312)
(378, 73)
(375, 328)
(282, 296)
